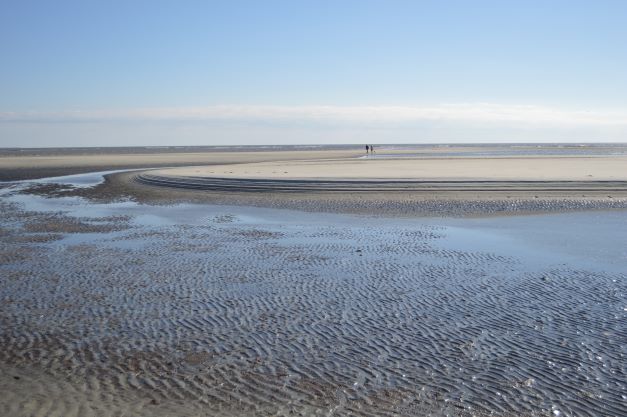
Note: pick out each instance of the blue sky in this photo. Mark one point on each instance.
(205, 72)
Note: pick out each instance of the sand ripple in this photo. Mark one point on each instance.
(236, 319)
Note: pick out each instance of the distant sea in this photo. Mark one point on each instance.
(382, 150)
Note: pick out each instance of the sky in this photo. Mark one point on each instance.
(154, 73)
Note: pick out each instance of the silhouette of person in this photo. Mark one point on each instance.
(367, 149)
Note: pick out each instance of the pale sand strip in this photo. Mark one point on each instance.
(436, 169)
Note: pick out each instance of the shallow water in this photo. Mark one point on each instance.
(75, 180)
(240, 311)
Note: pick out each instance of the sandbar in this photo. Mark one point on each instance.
(418, 181)
(436, 169)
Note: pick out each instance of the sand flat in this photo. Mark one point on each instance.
(452, 169)
(507, 161)
(196, 310)
(56, 163)
(451, 180)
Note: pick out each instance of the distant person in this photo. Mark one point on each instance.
(367, 149)
(371, 150)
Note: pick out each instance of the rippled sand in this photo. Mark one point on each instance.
(125, 309)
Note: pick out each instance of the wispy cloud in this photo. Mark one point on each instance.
(480, 113)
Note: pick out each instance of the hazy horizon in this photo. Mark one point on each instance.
(380, 146)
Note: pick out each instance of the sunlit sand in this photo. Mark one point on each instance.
(451, 169)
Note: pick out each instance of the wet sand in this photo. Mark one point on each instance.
(31, 164)
(193, 310)
(121, 297)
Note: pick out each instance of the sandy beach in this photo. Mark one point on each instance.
(313, 209)
(119, 307)
(407, 182)
(275, 282)
(512, 169)
(290, 282)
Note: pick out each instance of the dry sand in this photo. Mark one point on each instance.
(453, 185)
(436, 169)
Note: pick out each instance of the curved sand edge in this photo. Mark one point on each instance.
(570, 174)
(341, 182)
(374, 194)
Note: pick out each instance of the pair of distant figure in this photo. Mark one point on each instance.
(369, 149)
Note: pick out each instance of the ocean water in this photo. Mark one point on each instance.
(437, 150)
(498, 150)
